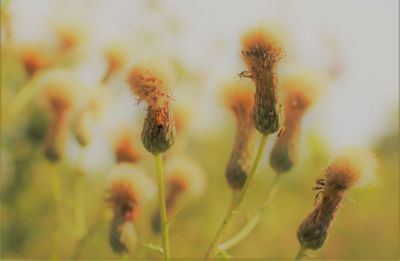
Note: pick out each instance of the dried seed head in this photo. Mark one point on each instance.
(59, 91)
(158, 133)
(300, 93)
(240, 100)
(345, 171)
(125, 150)
(34, 59)
(261, 51)
(69, 35)
(129, 186)
(150, 83)
(184, 175)
(353, 167)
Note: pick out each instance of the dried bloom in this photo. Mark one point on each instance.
(354, 167)
(261, 51)
(128, 189)
(240, 101)
(34, 59)
(60, 94)
(183, 177)
(150, 84)
(301, 91)
(116, 57)
(69, 35)
(125, 150)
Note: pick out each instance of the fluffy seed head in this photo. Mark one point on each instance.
(129, 186)
(185, 175)
(125, 150)
(60, 90)
(301, 91)
(261, 48)
(353, 167)
(150, 83)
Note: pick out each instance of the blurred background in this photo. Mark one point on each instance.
(352, 45)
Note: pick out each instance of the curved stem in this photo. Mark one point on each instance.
(237, 201)
(163, 208)
(300, 254)
(254, 220)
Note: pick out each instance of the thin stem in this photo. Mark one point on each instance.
(236, 203)
(80, 216)
(300, 254)
(163, 208)
(56, 204)
(255, 219)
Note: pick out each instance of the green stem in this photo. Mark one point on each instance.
(56, 201)
(236, 203)
(300, 254)
(80, 216)
(163, 208)
(254, 220)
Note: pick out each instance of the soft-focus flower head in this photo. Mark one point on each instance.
(186, 175)
(262, 47)
(127, 184)
(61, 89)
(353, 167)
(116, 56)
(239, 98)
(34, 58)
(302, 90)
(70, 35)
(151, 82)
(125, 150)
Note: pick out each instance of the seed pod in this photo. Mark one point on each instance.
(149, 84)
(240, 101)
(261, 51)
(300, 93)
(355, 167)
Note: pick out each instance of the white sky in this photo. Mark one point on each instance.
(357, 106)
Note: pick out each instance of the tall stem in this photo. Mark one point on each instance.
(254, 220)
(163, 208)
(236, 202)
(56, 204)
(300, 254)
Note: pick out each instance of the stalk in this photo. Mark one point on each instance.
(254, 220)
(300, 254)
(238, 200)
(163, 208)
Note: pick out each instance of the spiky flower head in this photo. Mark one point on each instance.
(354, 167)
(301, 91)
(128, 188)
(150, 84)
(261, 51)
(240, 100)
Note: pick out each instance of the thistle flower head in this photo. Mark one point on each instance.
(301, 91)
(184, 175)
(60, 90)
(34, 59)
(240, 99)
(70, 35)
(129, 186)
(261, 48)
(261, 51)
(353, 167)
(116, 56)
(125, 150)
(150, 83)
